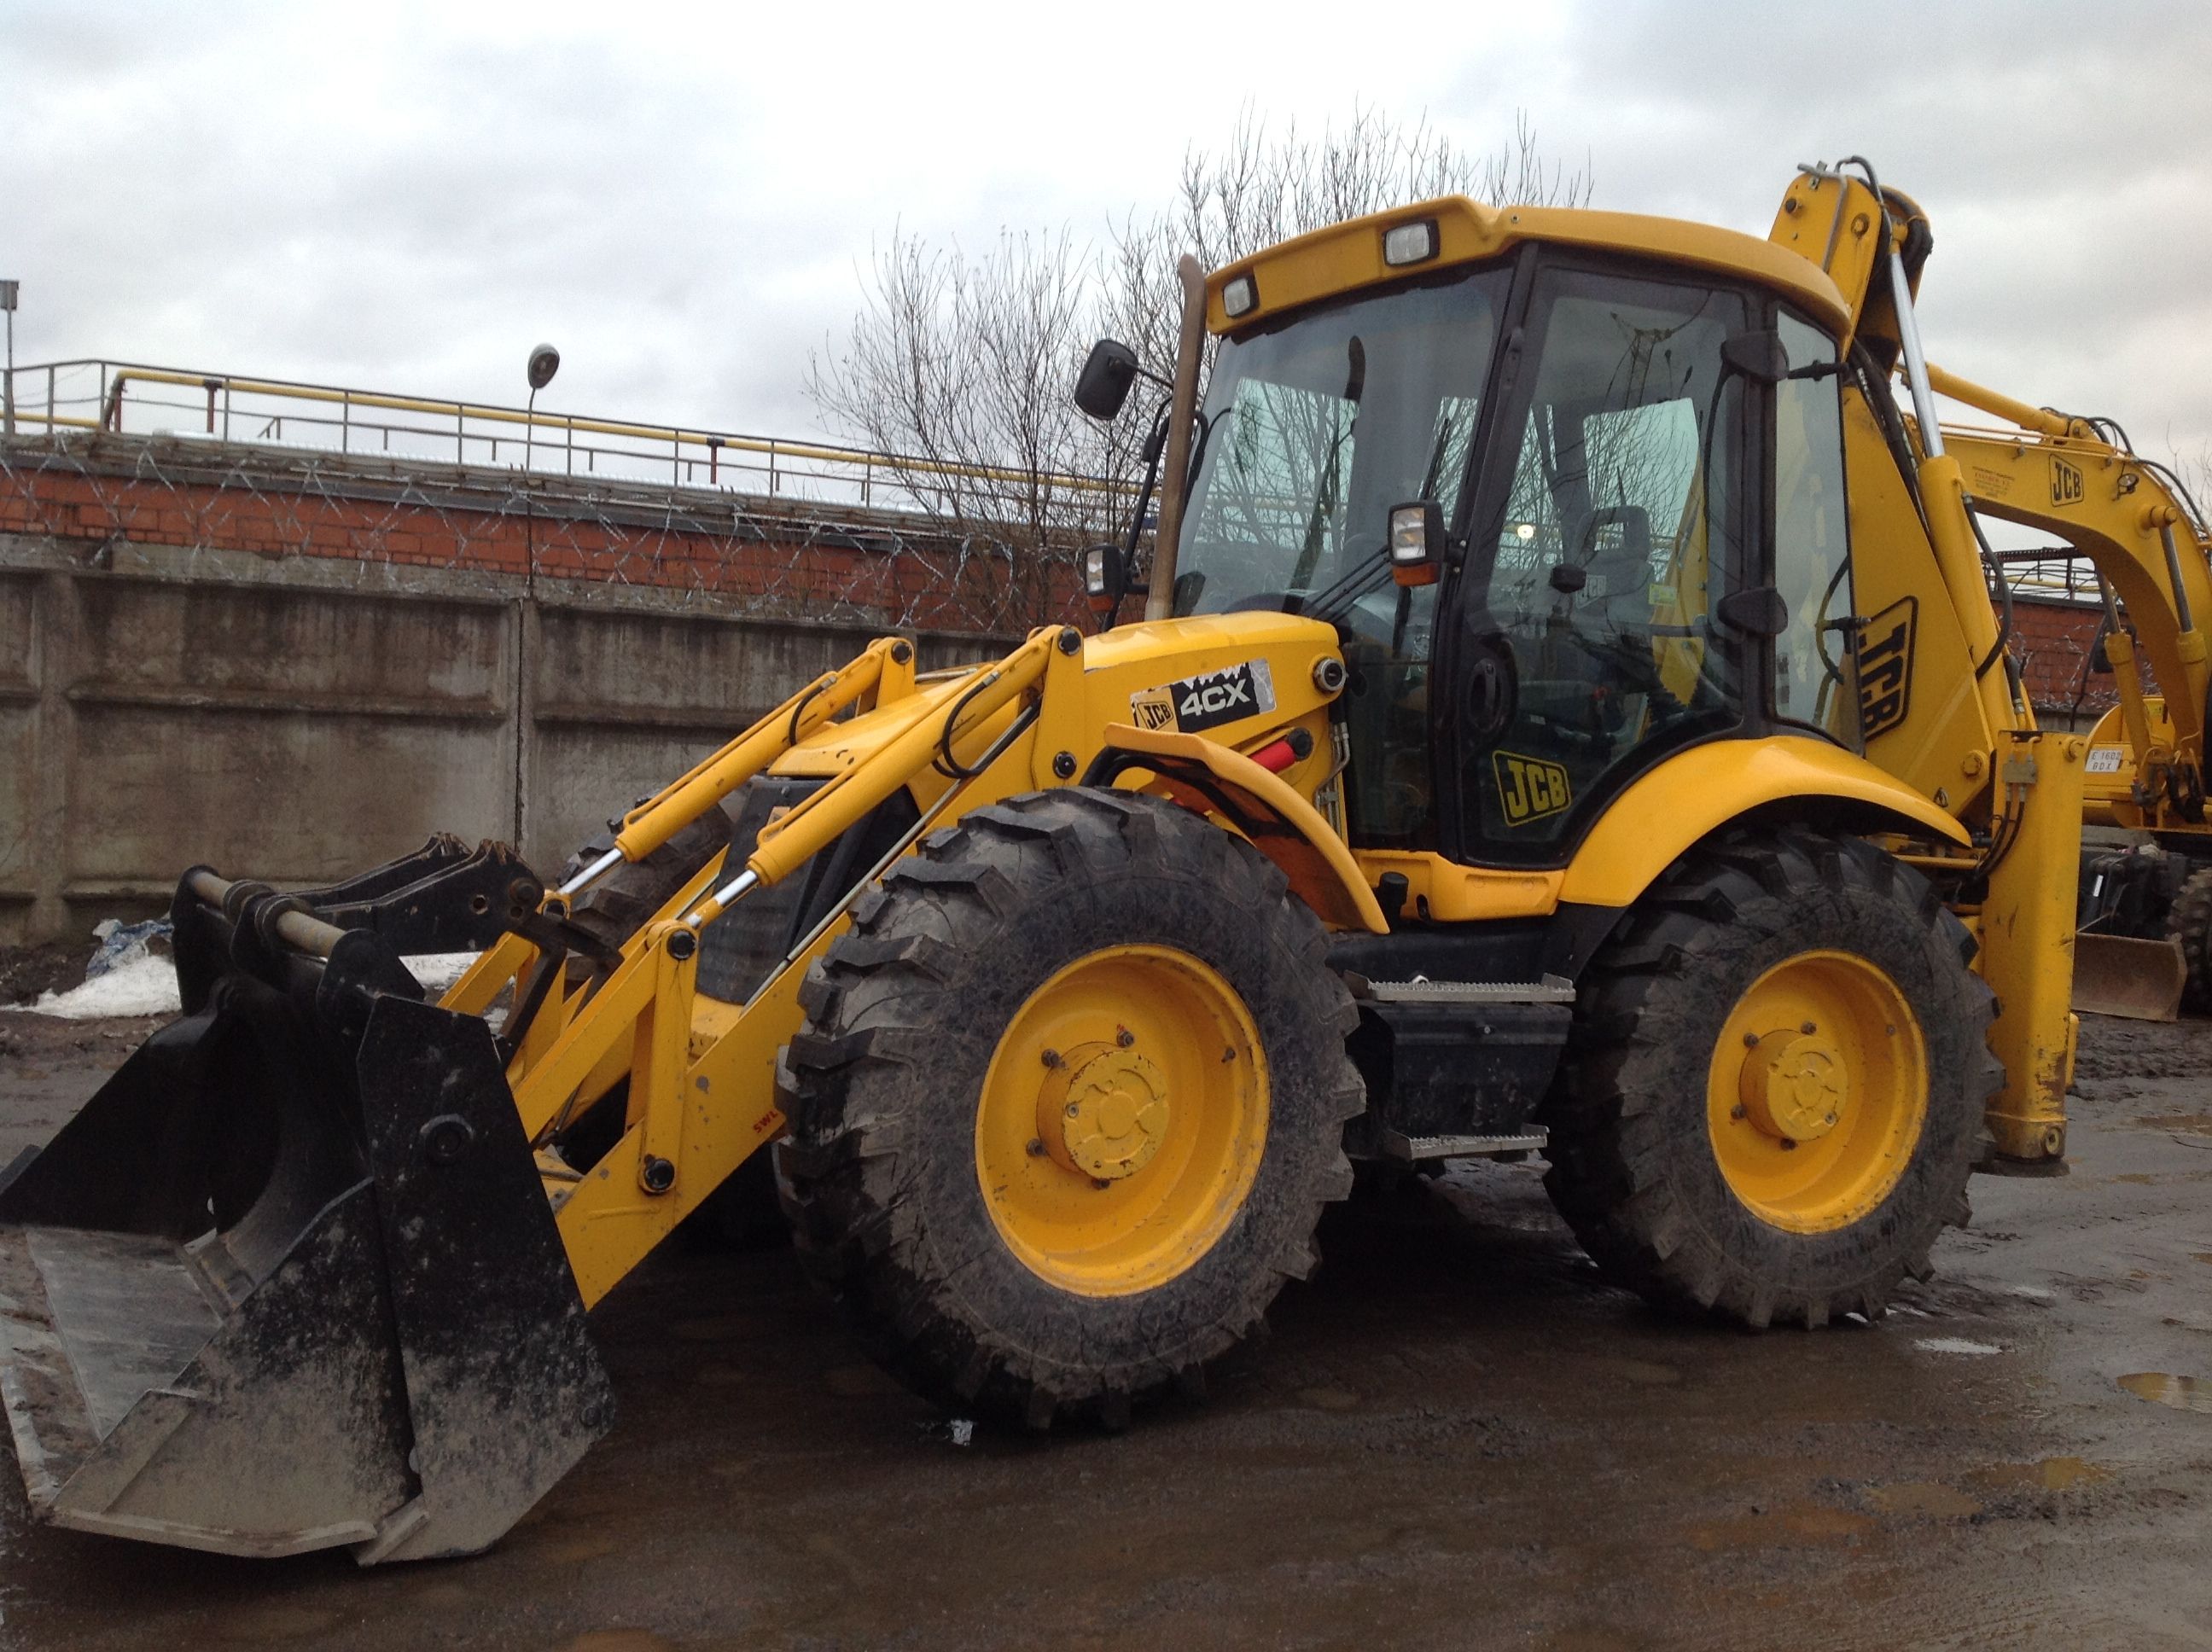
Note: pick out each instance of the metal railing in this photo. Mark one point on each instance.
(55, 397)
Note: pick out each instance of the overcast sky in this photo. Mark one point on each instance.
(406, 197)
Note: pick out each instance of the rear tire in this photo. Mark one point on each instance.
(1668, 1129)
(1032, 1282)
(2190, 922)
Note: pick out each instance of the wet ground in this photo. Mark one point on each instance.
(1456, 1437)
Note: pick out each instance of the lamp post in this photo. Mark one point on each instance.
(544, 363)
(9, 289)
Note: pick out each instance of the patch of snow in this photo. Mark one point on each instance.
(1955, 1345)
(437, 971)
(146, 985)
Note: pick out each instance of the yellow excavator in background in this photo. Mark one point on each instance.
(1571, 712)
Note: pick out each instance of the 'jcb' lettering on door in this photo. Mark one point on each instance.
(1528, 788)
(2065, 483)
(1885, 659)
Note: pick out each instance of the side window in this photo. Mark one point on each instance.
(1617, 537)
(1813, 673)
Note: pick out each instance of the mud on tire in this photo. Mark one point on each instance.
(904, 1015)
(1633, 1168)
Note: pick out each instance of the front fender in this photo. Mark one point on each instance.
(1698, 792)
(1288, 830)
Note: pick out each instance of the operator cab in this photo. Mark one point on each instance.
(1637, 465)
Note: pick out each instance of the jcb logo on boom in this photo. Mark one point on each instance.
(2065, 483)
(1885, 661)
(1528, 788)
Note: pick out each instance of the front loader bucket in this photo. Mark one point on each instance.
(290, 1280)
(2117, 974)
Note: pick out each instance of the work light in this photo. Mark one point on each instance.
(1239, 297)
(1410, 243)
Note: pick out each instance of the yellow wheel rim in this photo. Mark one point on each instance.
(1122, 1120)
(1818, 1091)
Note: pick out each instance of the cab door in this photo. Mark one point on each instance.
(1581, 646)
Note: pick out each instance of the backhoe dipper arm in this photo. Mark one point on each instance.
(2057, 475)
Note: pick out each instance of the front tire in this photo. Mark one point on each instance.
(1774, 1094)
(1069, 1099)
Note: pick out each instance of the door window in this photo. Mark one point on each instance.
(1592, 594)
(1813, 678)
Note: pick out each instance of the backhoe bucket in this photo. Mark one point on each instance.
(2117, 975)
(290, 1280)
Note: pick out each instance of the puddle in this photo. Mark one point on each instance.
(1781, 1529)
(859, 1382)
(1928, 1498)
(2182, 1392)
(2031, 1293)
(275, 1623)
(2052, 1474)
(1645, 1373)
(1955, 1345)
(1328, 1398)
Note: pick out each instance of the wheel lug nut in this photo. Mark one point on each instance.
(1808, 1028)
(1051, 1058)
(1787, 1144)
(1738, 1111)
(1125, 1038)
(1072, 1109)
(1751, 1041)
(1036, 1148)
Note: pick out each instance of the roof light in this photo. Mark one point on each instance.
(1239, 297)
(1412, 243)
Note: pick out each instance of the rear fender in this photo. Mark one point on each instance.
(1698, 792)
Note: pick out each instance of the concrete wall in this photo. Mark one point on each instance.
(297, 719)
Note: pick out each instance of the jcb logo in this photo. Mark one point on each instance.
(1885, 657)
(2065, 483)
(1528, 788)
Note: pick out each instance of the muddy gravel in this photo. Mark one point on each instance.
(1456, 1436)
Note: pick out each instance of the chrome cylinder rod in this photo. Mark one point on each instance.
(591, 874)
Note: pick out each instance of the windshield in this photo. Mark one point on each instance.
(1317, 427)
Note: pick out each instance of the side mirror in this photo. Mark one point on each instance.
(1104, 384)
(1756, 611)
(1757, 355)
(2100, 658)
(1105, 578)
(1416, 542)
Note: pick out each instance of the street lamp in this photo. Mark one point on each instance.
(544, 363)
(9, 289)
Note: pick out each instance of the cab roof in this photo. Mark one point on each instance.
(1348, 257)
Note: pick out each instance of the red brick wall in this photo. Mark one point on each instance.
(886, 569)
(2051, 641)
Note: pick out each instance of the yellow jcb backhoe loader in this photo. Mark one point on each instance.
(1569, 713)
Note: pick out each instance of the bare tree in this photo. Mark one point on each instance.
(964, 363)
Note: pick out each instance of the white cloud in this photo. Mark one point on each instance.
(409, 196)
